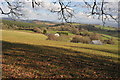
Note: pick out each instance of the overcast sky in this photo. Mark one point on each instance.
(42, 13)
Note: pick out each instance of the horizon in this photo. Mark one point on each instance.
(7, 18)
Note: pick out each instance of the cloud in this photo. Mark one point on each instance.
(39, 13)
(43, 13)
(83, 18)
(96, 0)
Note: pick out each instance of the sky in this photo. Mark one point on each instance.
(43, 13)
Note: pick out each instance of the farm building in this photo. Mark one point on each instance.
(56, 34)
(97, 42)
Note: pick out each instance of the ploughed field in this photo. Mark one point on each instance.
(30, 55)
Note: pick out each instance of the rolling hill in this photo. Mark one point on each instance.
(30, 55)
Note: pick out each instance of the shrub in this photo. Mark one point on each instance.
(95, 37)
(85, 33)
(52, 37)
(65, 33)
(5, 26)
(82, 34)
(78, 39)
(38, 30)
(44, 31)
(74, 31)
(65, 28)
(110, 41)
(75, 39)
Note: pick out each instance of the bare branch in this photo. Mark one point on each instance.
(100, 10)
(14, 9)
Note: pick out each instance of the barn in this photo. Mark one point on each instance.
(97, 42)
(56, 34)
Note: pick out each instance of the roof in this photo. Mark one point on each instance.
(56, 34)
(98, 42)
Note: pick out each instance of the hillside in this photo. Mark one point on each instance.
(31, 50)
(30, 55)
(10, 24)
(36, 23)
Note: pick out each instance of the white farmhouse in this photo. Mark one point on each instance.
(56, 34)
(97, 42)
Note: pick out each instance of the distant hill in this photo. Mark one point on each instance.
(29, 21)
(44, 22)
(19, 24)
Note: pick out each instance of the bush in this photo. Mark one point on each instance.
(95, 37)
(110, 41)
(85, 33)
(75, 39)
(38, 30)
(82, 34)
(5, 26)
(64, 28)
(64, 38)
(44, 31)
(52, 37)
(65, 33)
(78, 39)
(91, 35)
(74, 31)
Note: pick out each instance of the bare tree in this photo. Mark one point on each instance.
(100, 9)
(65, 10)
(36, 3)
(14, 9)
(97, 8)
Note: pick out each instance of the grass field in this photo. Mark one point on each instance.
(30, 55)
(105, 28)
